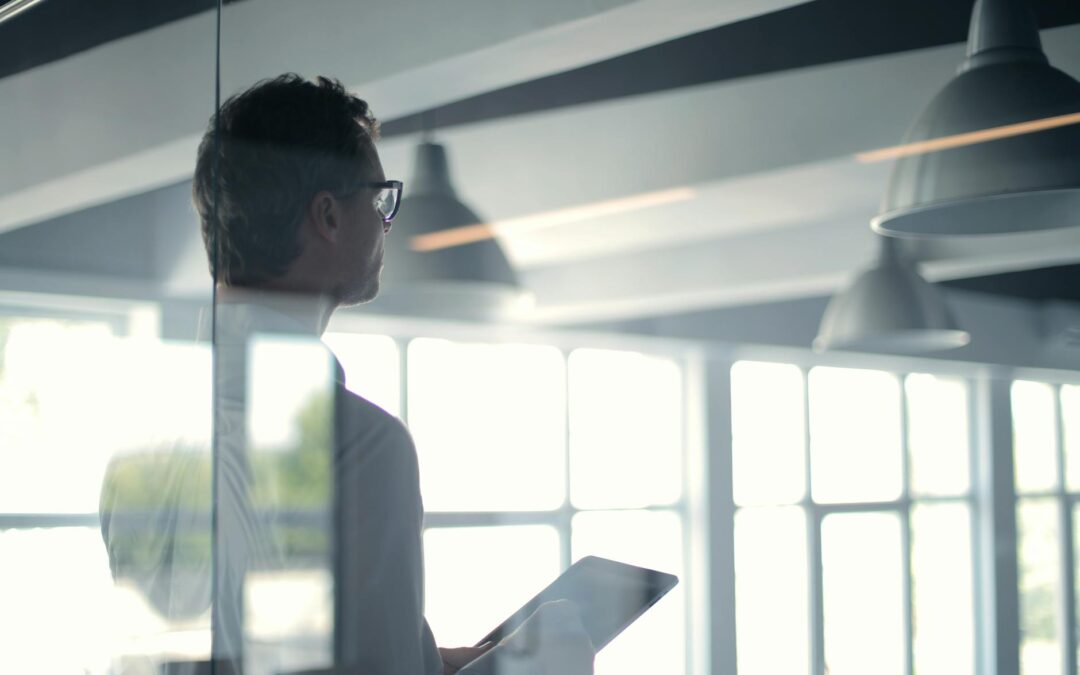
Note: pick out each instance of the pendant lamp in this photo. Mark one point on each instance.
(890, 308)
(470, 281)
(1023, 180)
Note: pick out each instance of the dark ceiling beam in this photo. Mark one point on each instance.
(55, 29)
(814, 33)
(811, 34)
(1061, 282)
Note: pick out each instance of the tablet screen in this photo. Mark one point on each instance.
(610, 595)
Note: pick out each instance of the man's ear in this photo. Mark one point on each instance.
(324, 215)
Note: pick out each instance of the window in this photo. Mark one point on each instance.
(853, 522)
(852, 488)
(75, 396)
(626, 490)
(1046, 441)
(530, 459)
(490, 425)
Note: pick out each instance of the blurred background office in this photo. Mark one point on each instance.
(782, 297)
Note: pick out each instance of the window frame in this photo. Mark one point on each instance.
(815, 512)
(124, 318)
(1065, 502)
(691, 508)
(706, 508)
(131, 318)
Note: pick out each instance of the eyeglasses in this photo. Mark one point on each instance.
(387, 199)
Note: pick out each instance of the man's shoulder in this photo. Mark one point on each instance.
(360, 417)
(355, 404)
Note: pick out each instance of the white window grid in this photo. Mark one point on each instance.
(1065, 501)
(973, 376)
(119, 317)
(816, 512)
(560, 519)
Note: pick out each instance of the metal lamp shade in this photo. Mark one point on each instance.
(1014, 184)
(473, 280)
(889, 308)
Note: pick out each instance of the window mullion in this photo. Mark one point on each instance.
(567, 511)
(979, 567)
(817, 592)
(905, 533)
(1066, 598)
(815, 572)
(1000, 595)
(27, 521)
(721, 517)
(403, 378)
(433, 519)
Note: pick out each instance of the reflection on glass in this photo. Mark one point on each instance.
(289, 618)
(56, 591)
(655, 643)
(625, 429)
(942, 587)
(1033, 436)
(479, 411)
(90, 420)
(1070, 421)
(771, 591)
(59, 380)
(768, 433)
(287, 587)
(155, 502)
(285, 377)
(938, 435)
(100, 422)
(854, 435)
(478, 576)
(863, 571)
(1040, 566)
(289, 408)
(371, 367)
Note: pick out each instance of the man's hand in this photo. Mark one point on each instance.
(455, 658)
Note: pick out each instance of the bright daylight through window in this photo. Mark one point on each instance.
(853, 529)
(1046, 443)
(567, 487)
(588, 450)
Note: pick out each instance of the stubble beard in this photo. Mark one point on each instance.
(362, 293)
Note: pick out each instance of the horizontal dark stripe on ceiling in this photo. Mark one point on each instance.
(1048, 283)
(55, 29)
(815, 33)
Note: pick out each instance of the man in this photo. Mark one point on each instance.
(295, 208)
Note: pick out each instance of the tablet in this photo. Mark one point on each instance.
(610, 595)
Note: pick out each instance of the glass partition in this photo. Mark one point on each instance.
(332, 333)
(105, 391)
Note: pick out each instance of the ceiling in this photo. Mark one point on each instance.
(747, 115)
(842, 30)
(55, 29)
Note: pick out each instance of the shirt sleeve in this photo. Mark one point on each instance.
(379, 584)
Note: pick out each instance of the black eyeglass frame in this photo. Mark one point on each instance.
(388, 185)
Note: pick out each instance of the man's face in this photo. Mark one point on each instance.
(361, 250)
